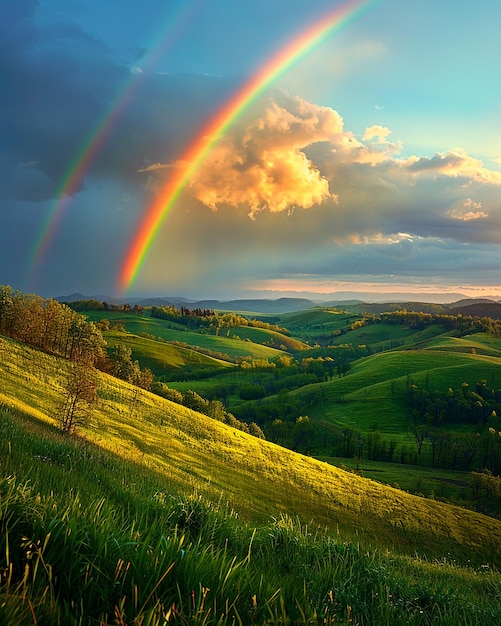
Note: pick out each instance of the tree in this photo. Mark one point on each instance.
(193, 401)
(419, 433)
(141, 379)
(216, 410)
(256, 431)
(122, 366)
(80, 396)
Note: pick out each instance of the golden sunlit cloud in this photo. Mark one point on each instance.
(380, 133)
(379, 238)
(455, 163)
(468, 211)
(262, 165)
(287, 153)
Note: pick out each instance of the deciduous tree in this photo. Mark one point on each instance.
(80, 396)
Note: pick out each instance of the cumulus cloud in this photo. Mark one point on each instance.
(455, 163)
(262, 164)
(288, 153)
(469, 210)
(376, 132)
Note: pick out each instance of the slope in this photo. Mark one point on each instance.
(374, 394)
(258, 479)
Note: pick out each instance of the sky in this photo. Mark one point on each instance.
(259, 148)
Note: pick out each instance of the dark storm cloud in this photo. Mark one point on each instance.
(60, 83)
(53, 83)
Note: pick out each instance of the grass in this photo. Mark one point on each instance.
(317, 320)
(160, 515)
(172, 332)
(257, 477)
(451, 485)
(264, 336)
(481, 344)
(163, 357)
(375, 393)
(105, 540)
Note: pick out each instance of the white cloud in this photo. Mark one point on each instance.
(376, 132)
(455, 163)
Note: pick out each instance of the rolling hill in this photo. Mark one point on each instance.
(257, 477)
(154, 513)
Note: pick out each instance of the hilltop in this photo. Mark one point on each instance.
(452, 303)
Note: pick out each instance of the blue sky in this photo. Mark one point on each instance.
(372, 166)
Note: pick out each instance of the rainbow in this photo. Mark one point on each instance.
(198, 149)
(90, 148)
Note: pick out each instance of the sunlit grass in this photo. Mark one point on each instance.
(172, 332)
(257, 477)
(161, 515)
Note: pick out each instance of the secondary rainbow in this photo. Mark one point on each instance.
(90, 148)
(198, 149)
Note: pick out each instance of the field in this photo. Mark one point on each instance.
(370, 395)
(195, 450)
(172, 332)
(157, 514)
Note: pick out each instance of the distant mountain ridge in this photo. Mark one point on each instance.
(481, 307)
(258, 305)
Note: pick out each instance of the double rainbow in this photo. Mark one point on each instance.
(198, 149)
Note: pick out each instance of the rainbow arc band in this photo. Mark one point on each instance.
(205, 140)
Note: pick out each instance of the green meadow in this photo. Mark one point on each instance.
(378, 384)
(225, 344)
(155, 514)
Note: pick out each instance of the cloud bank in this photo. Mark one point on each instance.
(292, 154)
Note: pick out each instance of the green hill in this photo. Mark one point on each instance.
(157, 514)
(163, 357)
(268, 337)
(172, 332)
(257, 477)
(375, 392)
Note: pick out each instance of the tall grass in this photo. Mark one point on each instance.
(198, 565)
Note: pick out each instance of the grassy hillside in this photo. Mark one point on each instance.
(358, 378)
(170, 331)
(374, 395)
(257, 477)
(317, 321)
(183, 516)
(162, 357)
(264, 336)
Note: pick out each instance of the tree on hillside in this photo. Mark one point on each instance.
(121, 363)
(80, 396)
(141, 379)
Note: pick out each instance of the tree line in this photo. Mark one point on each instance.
(210, 319)
(50, 325)
(419, 320)
(98, 305)
(434, 411)
(463, 405)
